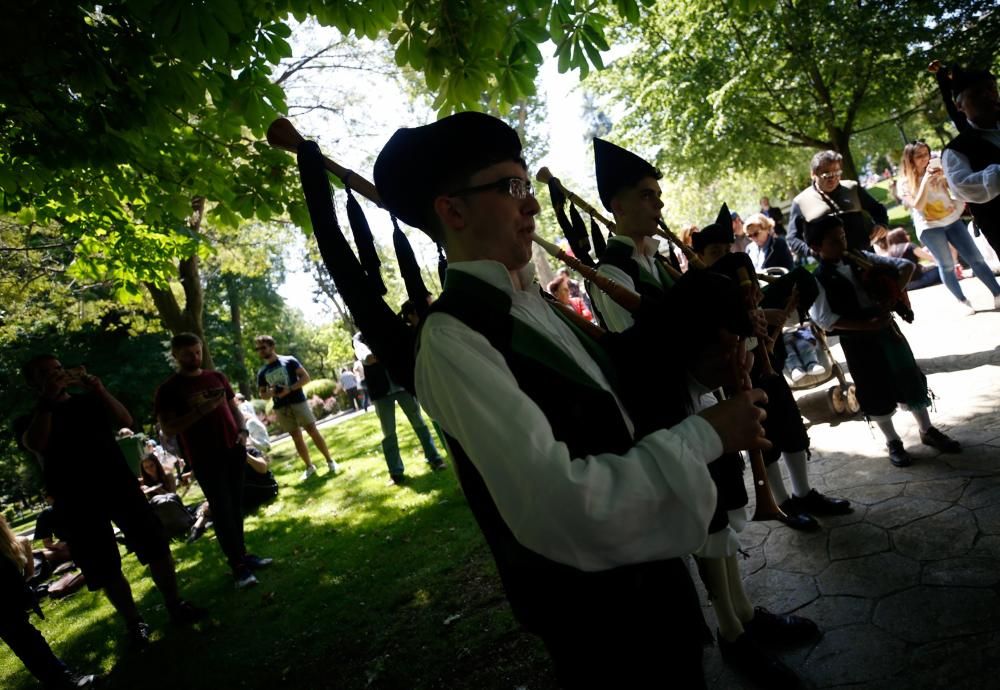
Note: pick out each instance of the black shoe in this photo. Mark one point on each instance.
(816, 503)
(759, 665)
(938, 439)
(186, 613)
(256, 562)
(437, 465)
(774, 627)
(801, 521)
(196, 533)
(397, 479)
(138, 635)
(898, 455)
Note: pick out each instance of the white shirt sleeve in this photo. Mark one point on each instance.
(616, 317)
(593, 513)
(820, 311)
(977, 187)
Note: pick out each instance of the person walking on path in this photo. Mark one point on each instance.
(282, 379)
(200, 407)
(937, 218)
(385, 394)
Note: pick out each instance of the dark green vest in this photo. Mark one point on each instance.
(548, 597)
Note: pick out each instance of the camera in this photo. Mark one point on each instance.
(75, 375)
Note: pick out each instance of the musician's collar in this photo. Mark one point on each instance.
(995, 128)
(497, 275)
(648, 246)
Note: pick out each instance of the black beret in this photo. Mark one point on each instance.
(418, 163)
(731, 263)
(962, 78)
(616, 168)
(817, 229)
(705, 301)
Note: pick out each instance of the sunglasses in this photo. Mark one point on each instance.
(831, 175)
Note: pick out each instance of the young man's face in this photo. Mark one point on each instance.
(980, 102)
(188, 357)
(264, 350)
(827, 176)
(714, 252)
(637, 209)
(492, 224)
(834, 244)
(738, 229)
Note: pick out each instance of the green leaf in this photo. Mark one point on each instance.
(214, 37)
(596, 37)
(594, 54)
(228, 13)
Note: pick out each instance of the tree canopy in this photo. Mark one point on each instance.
(716, 87)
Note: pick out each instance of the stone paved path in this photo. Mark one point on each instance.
(906, 587)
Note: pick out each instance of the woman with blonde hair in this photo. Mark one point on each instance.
(766, 249)
(17, 565)
(937, 218)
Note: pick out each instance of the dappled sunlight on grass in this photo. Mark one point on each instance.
(365, 575)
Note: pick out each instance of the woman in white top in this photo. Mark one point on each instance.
(937, 220)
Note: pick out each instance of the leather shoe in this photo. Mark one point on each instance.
(935, 438)
(775, 627)
(759, 665)
(804, 522)
(816, 503)
(898, 455)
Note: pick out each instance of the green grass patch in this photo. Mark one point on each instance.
(373, 586)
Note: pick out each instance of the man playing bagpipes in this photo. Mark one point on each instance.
(784, 427)
(586, 514)
(855, 303)
(711, 308)
(628, 188)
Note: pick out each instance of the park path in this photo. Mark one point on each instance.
(906, 587)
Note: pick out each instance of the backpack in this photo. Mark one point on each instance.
(176, 519)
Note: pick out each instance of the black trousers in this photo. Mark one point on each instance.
(221, 480)
(30, 647)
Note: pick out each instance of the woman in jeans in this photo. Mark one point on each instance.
(937, 220)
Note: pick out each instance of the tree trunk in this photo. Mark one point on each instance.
(842, 145)
(189, 319)
(240, 372)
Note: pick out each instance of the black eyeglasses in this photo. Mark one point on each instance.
(517, 187)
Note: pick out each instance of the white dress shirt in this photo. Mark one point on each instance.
(977, 187)
(616, 317)
(595, 512)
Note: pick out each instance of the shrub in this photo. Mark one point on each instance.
(322, 388)
(317, 406)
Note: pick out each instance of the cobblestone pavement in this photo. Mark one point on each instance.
(906, 587)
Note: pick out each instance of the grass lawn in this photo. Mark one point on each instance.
(373, 586)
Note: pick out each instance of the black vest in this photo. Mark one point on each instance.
(981, 153)
(842, 293)
(546, 596)
(619, 255)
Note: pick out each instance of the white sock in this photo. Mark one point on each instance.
(923, 418)
(797, 473)
(888, 430)
(777, 483)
